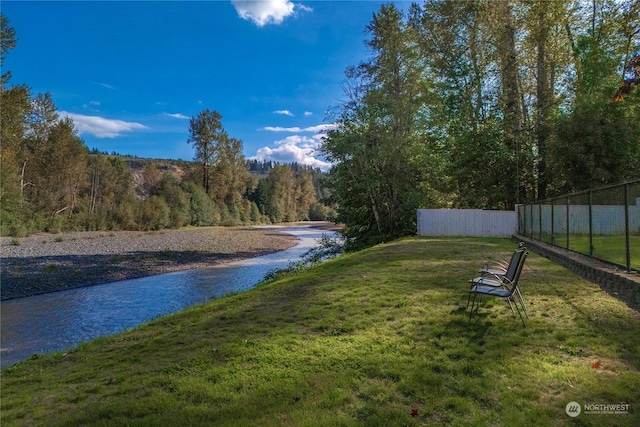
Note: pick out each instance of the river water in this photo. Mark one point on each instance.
(61, 320)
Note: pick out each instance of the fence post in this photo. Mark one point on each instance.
(568, 225)
(539, 221)
(627, 231)
(590, 224)
(553, 237)
(531, 220)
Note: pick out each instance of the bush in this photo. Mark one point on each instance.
(177, 200)
(201, 207)
(123, 215)
(320, 212)
(153, 214)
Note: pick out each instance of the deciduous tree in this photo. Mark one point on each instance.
(205, 133)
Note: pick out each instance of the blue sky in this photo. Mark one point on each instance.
(131, 74)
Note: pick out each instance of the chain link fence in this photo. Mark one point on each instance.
(602, 223)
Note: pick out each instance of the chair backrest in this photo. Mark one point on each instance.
(513, 282)
(515, 264)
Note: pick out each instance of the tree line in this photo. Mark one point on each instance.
(484, 104)
(51, 181)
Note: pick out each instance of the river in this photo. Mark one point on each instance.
(61, 320)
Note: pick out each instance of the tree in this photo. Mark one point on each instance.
(205, 133)
(110, 185)
(280, 206)
(229, 174)
(547, 60)
(458, 45)
(15, 106)
(66, 168)
(8, 41)
(511, 104)
(597, 138)
(177, 199)
(379, 148)
(201, 207)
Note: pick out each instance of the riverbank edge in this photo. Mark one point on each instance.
(43, 275)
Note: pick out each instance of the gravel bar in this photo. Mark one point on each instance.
(43, 263)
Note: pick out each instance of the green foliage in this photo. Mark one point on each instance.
(201, 207)
(255, 215)
(478, 161)
(153, 213)
(379, 149)
(124, 213)
(8, 41)
(177, 200)
(482, 105)
(205, 133)
(50, 182)
(608, 151)
(321, 212)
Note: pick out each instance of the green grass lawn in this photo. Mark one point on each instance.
(609, 248)
(376, 338)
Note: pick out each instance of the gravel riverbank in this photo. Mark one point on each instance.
(44, 263)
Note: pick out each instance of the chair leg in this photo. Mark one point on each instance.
(511, 306)
(524, 306)
(473, 304)
(519, 314)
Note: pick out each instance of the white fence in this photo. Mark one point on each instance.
(466, 222)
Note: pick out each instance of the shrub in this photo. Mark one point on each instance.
(153, 214)
(201, 207)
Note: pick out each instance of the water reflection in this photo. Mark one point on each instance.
(62, 320)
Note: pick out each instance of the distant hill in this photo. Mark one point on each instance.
(139, 167)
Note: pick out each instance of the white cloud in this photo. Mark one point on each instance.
(321, 128)
(294, 148)
(101, 127)
(308, 113)
(281, 129)
(266, 11)
(283, 112)
(176, 116)
(295, 129)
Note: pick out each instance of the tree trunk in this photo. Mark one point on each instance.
(512, 108)
(542, 103)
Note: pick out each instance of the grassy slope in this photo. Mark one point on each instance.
(361, 340)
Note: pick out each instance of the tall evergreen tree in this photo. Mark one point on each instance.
(379, 149)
